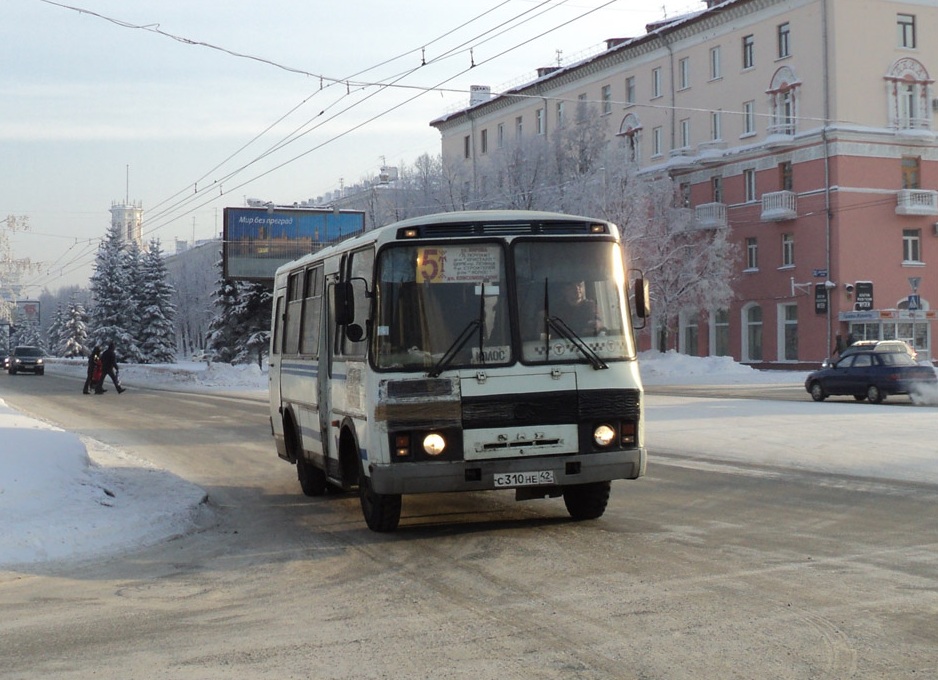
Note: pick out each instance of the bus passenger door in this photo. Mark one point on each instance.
(323, 384)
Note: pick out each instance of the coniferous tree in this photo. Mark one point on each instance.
(112, 313)
(222, 334)
(74, 336)
(27, 333)
(132, 266)
(157, 312)
(252, 320)
(54, 335)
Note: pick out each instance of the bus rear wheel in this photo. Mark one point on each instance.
(382, 511)
(312, 479)
(587, 501)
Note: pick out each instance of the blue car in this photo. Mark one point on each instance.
(870, 375)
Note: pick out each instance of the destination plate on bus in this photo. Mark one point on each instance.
(513, 479)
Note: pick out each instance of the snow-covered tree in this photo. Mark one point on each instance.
(156, 337)
(112, 315)
(74, 335)
(54, 333)
(252, 319)
(222, 330)
(27, 333)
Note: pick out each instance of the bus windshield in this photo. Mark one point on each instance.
(571, 294)
(442, 306)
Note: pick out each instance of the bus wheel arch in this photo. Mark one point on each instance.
(382, 512)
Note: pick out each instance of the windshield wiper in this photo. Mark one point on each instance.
(453, 350)
(558, 324)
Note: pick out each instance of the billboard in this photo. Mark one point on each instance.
(258, 240)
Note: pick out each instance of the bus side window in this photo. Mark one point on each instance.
(294, 314)
(277, 335)
(312, 312)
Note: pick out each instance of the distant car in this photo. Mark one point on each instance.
(26, 359)
(872, 374)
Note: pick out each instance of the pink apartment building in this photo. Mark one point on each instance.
(804, 127)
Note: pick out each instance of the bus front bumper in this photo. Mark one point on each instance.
(432, 477)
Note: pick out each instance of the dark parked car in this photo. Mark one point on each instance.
(870, 375)
(26, 359)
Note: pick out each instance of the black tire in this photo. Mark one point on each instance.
(382, 511)
(12, 371)
(587, 501)
(312, 479)
(817, 392)
(875, 395)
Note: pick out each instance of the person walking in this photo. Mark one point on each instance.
(109, 368)
(94, 367)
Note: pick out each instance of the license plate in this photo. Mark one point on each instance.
(513, 479)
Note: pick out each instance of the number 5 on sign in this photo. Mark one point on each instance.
(430, 263)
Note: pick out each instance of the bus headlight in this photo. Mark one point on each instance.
(434, 444)
(604, 435)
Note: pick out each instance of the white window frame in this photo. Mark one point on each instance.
(657, 136)
(749, 184)
(716, 125)
(719, 332)
(747, 326)
(911, 246)
(784, 40)
(656, 82)
(683, 73)
(749, 51)
(500, 136)
(685, 133)
(905, 30)
(788, 250)
(539, 127)
(749, 118)
(784, 325)
(561, 117)
(716, 69)
(606, 96)
(630, 90)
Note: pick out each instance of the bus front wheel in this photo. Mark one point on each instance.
(382, 511)
(587, 501)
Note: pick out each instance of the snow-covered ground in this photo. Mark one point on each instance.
(65, 497)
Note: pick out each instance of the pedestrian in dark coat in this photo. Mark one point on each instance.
(94, 361)
(109, 368)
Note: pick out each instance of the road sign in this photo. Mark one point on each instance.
(914, 281)
(820, 273)
(915, 302)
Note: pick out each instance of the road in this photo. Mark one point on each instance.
(716, 571)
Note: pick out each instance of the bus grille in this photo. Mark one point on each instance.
(554, 408)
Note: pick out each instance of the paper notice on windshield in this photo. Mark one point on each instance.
(458, 264)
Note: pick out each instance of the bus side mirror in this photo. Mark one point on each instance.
(344, 303)
(642, 298)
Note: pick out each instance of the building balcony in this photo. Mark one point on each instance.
(682, 158)
(712, 151)
(780, 135)
(710, 216)
(917, 202)
(778, 206)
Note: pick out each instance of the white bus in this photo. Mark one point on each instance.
(464, 351)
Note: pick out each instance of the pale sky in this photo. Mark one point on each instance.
(119, 90)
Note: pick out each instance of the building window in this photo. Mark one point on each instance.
(690, 330)
(911, 172)
(752, 253)
(500, 135)
(484, 141)
(788, 323)
(683, 73)
(905, 24)
(752, 319)
(749, 52)
(606, 95)
(911, 245)
(655, 82)
(715, 69)
(907, 87)
(656, 136)
(466, 146)
(783, 92)
(784, 40)
(749, 118)
(539, 121)
(788, 250)
(685, 133)
(630, 129)
(716, 125)
(749, 182)
(519, 127)
(630, 90)
(720, 333)
(785, 176)
(561, 121)
(716, 186)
